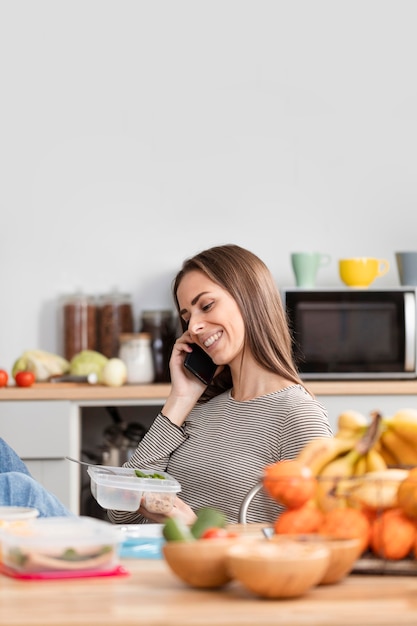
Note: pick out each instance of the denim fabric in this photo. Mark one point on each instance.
(18, 488)
(10, 461)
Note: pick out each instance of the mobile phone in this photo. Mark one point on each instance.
(200, 364)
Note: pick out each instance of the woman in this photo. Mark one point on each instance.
(216, 440)
(18, 488)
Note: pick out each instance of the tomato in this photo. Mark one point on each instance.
(4, 377)
(24, 378)
(217, 533)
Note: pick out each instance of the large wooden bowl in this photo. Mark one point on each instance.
(200, 563)
(284, 569)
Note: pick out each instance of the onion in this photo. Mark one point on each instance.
(114, 373)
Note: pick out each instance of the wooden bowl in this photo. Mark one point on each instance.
(284, 569)
(200, 563)
(343, 554)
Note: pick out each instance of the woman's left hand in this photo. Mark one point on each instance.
(179, 510)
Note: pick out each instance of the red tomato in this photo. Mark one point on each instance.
(24, 379)
(217, 533)
(4, 377)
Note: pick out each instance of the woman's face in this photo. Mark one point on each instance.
(213, 317)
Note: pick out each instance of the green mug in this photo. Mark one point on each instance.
(305, 266)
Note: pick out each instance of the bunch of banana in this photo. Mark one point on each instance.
(339, 458)
(318, 453)
(374, 490)
(398, 440)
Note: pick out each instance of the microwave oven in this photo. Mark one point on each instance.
(353, 333)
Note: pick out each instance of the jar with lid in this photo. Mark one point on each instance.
(161, 326)
(115, 317)
(79, 313)
(136, 352)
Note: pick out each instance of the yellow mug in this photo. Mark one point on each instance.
(362, 271)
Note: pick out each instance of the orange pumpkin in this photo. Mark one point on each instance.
(393, 535)
(347, 523)
(289, 482)
(407, 494)
(304, 520)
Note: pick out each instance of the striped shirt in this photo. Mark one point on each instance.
(220, 452)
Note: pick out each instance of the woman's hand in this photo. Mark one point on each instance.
(186, 388)
(183, 382)
(179, 510)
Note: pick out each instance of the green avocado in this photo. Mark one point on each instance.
(207, 517)
(175, 530)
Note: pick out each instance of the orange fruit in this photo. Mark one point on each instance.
(304, 520)
(347, 523)
(393, 535)
(289, 482)
(407, 494)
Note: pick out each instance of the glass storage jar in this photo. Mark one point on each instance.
(114, 318)
(79, 323)
(161, 326)
(136, 352)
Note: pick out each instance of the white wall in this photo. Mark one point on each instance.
(136, 133)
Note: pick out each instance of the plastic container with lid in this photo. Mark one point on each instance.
(123, 488)
(60, 544)
(115, 317)
(136, 352)
(79, 323)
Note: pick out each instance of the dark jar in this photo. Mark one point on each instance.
(115, 317)
(79, 313)
(162, 327)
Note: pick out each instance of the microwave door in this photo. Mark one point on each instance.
(410, 332)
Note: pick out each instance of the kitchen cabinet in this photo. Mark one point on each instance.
(49, 421)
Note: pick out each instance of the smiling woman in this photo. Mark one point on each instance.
(216, 438)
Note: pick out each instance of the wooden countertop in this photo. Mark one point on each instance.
(84, 391)
(79, 392)
(152, 596)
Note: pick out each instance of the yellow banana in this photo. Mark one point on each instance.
(352, 421)
(317, 453)
(401, 449)
(389, 458)
(341, 468)
(374, 490)
(360, 466)
(404, 423)
(374, 461)
(350, 435)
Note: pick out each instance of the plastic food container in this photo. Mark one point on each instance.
(57, 544)
(16, 514)
(125, 488)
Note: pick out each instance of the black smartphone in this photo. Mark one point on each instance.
(200, 364)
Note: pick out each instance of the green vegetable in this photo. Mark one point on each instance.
(42, 364)
(87, 362)
(207, 517)
(71, 554)
(175, 530)
(141, 474)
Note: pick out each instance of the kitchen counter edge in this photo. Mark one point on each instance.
(79, 392)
